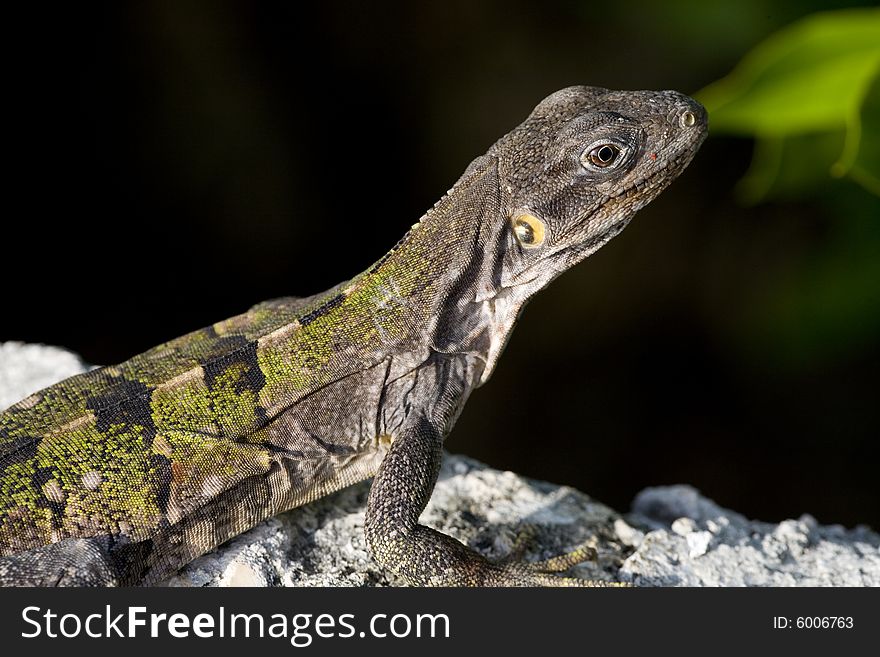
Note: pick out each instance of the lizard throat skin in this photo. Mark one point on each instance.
(124, 474)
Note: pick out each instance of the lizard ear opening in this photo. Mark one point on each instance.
(528, 229)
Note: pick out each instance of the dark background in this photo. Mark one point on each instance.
(174, 163)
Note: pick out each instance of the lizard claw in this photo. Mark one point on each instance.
(514, 570)
(527, 573)
(562, 562)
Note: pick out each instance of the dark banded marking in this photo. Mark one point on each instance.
(40, 478)
(244, 352)
(126, 403)
(322, 310)
(162, 472)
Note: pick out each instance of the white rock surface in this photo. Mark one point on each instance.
(691, 541)
(26, 368)
(673, 536)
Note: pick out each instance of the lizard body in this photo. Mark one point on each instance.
(124, 474)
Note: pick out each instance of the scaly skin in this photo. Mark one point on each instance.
(124, 474)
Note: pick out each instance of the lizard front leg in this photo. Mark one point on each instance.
(424, 556)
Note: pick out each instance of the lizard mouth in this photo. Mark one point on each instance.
(652, 184)
(671, 171)
(578, 251)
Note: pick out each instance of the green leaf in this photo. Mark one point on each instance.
(809, 85)
(865, 167)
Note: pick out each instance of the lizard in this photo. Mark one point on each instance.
(124, 474)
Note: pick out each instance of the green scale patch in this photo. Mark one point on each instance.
(83, 482)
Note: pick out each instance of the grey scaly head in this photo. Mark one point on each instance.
(570, 178)
(580, 167)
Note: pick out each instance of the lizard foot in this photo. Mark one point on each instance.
(514, 571)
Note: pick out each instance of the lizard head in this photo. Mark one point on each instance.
(544, 197)
(579, 167)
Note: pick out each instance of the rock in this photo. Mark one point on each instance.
(26, 368)
(694, 542)
(673, 537)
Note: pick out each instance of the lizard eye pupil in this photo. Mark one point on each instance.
(604, 155)
(529, 230)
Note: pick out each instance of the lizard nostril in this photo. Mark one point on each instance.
(687, 119)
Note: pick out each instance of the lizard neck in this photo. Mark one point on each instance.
(445, 280)
(445, 275)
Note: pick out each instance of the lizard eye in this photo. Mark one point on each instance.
(602, 155)
(529, 230)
